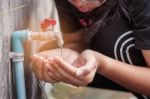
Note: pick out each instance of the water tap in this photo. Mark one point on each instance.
(47, 32)
(47, 26)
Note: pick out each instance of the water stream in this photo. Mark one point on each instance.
(78, 92)
(78, 88)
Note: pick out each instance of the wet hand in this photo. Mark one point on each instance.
(86, 62)
(41, 59)
(80, 73)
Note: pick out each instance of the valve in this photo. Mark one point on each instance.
(47, 24)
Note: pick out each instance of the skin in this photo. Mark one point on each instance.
(80, 70)
(85, 7)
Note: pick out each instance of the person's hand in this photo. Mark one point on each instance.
(80, 73)
(39, 60)
(86, 62)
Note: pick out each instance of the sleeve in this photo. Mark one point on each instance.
(68, 22)
(140, 16)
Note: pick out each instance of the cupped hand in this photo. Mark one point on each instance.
(80, 73)
(41, 59)
(87, 66)
(86, 63)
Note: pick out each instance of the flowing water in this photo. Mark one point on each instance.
(61, 51)
(78, 92)
(78, 88)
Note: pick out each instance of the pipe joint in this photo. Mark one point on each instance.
(16, 57)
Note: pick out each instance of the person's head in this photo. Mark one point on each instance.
(97, 12)
(86, 5)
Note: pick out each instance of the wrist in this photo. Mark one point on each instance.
(104, 63)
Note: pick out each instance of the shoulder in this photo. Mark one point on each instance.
(139, 5)
(140, 2)
(140, 16)
(140, 10)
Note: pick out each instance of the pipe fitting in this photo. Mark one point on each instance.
(16, 57)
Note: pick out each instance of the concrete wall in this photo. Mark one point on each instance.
(17, 15)
(13, 16)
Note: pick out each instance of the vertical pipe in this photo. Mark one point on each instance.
(18, 39)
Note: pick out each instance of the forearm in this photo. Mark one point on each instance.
(75, 46)
(132, 77)
(74, 41)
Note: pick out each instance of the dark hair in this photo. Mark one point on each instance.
(100, 16)
(103, 14)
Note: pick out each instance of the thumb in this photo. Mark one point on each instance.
(33, 58)
(87, 68)
(79, 62)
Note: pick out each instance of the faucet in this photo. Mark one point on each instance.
(46, 33)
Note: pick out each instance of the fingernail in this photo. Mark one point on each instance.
(79, 73)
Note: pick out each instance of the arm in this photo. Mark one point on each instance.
(132, 77)
(74, 41)
(146, 54)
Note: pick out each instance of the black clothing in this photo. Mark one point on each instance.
(121, 37)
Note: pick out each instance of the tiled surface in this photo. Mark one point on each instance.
(61, 91)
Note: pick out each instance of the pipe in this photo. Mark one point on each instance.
(18, 38)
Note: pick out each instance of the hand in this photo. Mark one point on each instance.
(80, 73)
(87, 66)
(86, 63)
(39, 60)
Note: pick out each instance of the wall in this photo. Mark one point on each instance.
(17, 15)
(13, 16)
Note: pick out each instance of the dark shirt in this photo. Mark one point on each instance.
(121, 38)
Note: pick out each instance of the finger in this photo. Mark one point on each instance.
(70, 69)
(53, 77)
(52, 70)
(33, 58)
(80, 61)
(87, 68)
(39, 67)
(33, 61)
(66, 77)
(48, 77)
(59, 71)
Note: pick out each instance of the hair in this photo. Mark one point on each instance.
(100, 16)
(103, 14)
